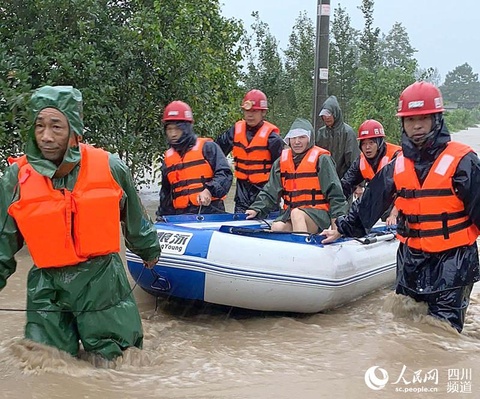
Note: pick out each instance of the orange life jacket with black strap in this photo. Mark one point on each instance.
(253, 160)
(366, 169)
(12, 160)
(301, 185)
(431, 217)
(188, 174)
(62, 227)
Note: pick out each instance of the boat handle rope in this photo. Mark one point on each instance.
(200, 216)
(65, 310)
(309, 237)
(383, 236)
(80, 311)
(377, 237)
(160, 283)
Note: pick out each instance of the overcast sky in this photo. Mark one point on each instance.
(445, 34)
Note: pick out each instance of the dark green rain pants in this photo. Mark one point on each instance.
(94, 304)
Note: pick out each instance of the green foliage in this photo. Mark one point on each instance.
(368, 45)
(201, 57)
(462, 86)
(460, 119)
(429, 74)
(13, 115)
(376, 97)
(299, 65)
(266, 71)
(386, 67)
(343, 60)
(129, 59)
(396, 50)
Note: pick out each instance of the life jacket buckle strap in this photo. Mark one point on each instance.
(445, 232)
(406, 193)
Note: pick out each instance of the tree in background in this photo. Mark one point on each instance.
(367, 72)
(429, 74)
(14, 93)
(396, 51)
(379, 84)
(129, 59)
(299, 66)
(266, 72)
(461, 86)
(343, 60)
(201, 56)
(368, 44)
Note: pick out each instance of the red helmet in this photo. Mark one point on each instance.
(420, 98)
(370, 129)
(254, 99)
(177, 111)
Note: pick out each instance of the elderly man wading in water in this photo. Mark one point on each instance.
(65, 200)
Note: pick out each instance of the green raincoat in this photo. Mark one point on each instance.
(90, 302)
(272, 192)
(340, 139)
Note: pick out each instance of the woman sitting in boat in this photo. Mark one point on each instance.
(196, 175)
(305, 178)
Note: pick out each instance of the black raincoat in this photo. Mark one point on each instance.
(353, 176)
(246, 192)
(442, 277)
(340, 139)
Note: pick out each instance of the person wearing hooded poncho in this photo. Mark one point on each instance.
(305, 178)
(196, 175)
(66, 200)
(337, 136)
(375, 154)
(435, 185)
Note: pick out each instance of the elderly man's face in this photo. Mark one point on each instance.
(52, 134)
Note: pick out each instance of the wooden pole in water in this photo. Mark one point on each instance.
(320, 87)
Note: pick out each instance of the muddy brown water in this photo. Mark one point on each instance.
(376, 347)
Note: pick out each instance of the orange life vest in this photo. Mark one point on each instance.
(188, 174)
(301, 186)
(253, 160)
(62, 227)
(12, 160)
(366, 169)
(434, 217)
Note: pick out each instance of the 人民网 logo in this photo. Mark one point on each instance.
(373, 381)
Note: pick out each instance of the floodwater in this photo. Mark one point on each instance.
(377, 347)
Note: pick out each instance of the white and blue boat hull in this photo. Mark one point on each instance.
(233, 263)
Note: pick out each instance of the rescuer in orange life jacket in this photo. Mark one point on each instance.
(196, 175)
(435, 184)
(256, 144)
(66, 201)
(375, 154)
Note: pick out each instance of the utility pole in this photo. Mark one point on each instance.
(320, 88)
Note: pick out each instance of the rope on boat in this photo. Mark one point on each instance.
(79, 311)
(377, 237)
